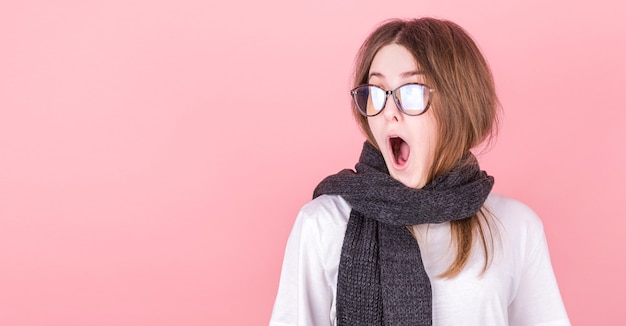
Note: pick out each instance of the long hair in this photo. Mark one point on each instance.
(464, 104)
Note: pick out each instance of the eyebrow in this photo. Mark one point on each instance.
(403, 75)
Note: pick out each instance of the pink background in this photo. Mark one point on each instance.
(154, 154)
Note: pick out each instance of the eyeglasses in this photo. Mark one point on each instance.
(412, 99)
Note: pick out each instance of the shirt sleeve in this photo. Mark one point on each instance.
(306, 288)
(538, 300)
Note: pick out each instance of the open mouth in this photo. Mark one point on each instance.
(400, 150)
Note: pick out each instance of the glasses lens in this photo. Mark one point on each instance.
(413, 98)
(369, 99)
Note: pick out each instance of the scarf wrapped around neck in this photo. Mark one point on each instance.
(381, 278)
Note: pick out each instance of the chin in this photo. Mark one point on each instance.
(407, 178)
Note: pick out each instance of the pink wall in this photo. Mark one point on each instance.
(153, 154)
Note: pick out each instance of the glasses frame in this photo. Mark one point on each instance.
(353, 92)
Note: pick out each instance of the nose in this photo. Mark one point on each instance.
(391, 111)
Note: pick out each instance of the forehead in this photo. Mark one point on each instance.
(393, 60)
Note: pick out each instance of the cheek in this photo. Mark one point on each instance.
(433, 131)
(429, 135)
(426, 139)
(376, 130)
(432, 138)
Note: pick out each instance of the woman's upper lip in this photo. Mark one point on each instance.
(393, 134)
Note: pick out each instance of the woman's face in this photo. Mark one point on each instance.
(406, 142)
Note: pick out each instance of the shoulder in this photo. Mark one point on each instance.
(309, 273)
(325, 211)
(320, 228)
(534, 293)
(520, 230)
(513, 214)
(322, 223)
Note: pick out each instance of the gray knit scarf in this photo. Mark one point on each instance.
(382, 280)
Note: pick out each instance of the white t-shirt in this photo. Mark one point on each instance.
(518, 288)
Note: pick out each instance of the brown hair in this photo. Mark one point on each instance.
(464, 104)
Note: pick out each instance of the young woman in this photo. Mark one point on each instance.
(414, 236)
